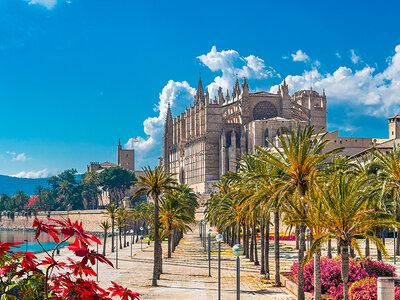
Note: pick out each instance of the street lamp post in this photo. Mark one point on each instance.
(131, 232)
(237, 250)
(141, 238)
(116, 252)
(209, 252)
(148, 235)
(308, 238)
(219, 239)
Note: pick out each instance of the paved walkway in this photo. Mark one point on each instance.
(186, 274)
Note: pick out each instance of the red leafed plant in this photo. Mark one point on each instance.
(23, 275)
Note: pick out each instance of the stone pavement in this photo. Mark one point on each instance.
(186, 274)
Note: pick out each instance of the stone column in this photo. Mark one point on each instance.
(385, 288)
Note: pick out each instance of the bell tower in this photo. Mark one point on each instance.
(394, 127)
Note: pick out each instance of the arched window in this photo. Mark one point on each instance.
(266, 137)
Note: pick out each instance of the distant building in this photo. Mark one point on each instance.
(125, 159)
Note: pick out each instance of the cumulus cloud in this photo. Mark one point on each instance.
(20, 157)
(232, 65)
(370, 92)
(34, 174)
(228, 63)
(17, 157)
(300, 56)
(177, 94)
(49, 4)
(354, 57)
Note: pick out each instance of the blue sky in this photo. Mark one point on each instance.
(77, 75)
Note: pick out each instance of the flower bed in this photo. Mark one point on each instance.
(359, 269)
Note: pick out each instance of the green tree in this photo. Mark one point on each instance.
(105, 226)
(298, 160)
(348, 216)
(90, 183)
(154, 184)
(116, 180)
(112, 212)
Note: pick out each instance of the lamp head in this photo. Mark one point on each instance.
(237, 250)
(219, 238)
(141, 228)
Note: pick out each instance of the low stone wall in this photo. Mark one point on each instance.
(90, 219)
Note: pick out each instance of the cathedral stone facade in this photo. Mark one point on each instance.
(208, 138)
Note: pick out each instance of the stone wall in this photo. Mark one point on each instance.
(90, 219)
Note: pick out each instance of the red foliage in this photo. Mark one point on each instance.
(72, 281)
(32, 200)
(124, 293)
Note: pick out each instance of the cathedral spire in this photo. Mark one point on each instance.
(199, 93)
(169, 113)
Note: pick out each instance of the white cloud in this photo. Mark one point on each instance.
(364, 90)
(232, 65)
(338, 55)
(178, 95)
(300, 56)
(354, 57)
(17, 157)
(34, 174)
(20, 157)
(49, 4)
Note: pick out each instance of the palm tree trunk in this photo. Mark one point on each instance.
(329, 248)
(120, 237)
(397, 243)
(256, 262)
(317, 275)
(297, 234)
(262, 236)
(245, 244)
(169, 242)
(378, 235)
(339, 247)
(124, 236)
(252, 246)
(156, 267)
(266, 248)
(276, 248)
(104, 245)
(300, 274)
(345, 271)
(112, 234)
(367, 248)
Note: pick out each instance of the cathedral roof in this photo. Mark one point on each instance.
(396, 116)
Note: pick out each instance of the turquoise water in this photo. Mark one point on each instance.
(31, 245)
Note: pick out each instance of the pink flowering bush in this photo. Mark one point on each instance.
(366, 289)
(331, 279)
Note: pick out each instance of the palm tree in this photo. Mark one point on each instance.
(346, 202)
(154, 184)
(112, 211)
(176, 213)
(297, 160)
(105, 226)
(389, 172)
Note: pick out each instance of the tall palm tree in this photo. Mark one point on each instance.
(177, 212)
(112, 211)
(347, 216)
(154, 184)
(105, 226)
(297, 159)
(389, 172)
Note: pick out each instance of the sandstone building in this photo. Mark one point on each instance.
(207, 139)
